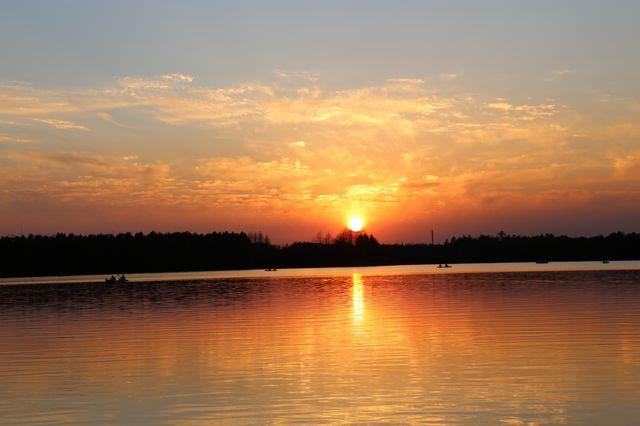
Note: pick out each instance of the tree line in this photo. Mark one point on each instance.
(65, 254)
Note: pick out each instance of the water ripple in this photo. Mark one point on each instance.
(539, 348)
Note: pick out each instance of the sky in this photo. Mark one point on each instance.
(288, 118)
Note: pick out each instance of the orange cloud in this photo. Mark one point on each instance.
(397, 151)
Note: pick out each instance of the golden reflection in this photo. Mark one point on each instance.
(403, 358)
(358, 298)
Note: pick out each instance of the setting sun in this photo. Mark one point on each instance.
(356, 224)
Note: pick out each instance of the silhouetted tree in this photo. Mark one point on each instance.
(346, 237)
(328, 239)
(184, 251)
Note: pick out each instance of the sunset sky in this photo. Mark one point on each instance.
(466, 117)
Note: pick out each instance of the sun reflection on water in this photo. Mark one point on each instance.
(358, 298)
(451, 349)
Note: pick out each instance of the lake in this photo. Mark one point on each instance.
(366, 345)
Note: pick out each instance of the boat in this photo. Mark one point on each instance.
(446, 265)
(270, 269)
(113, 280)
(605, 261)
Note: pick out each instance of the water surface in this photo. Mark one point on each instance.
(458, 268)
(482, 348)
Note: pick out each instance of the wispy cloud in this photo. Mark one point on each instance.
(450, 76)
(15, 139)
(105, 116)
(307, 76)
(526, 111)
(61, 124)
(554, 75)
(406, 80)
(185, 78)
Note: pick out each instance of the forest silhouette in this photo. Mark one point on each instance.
(70, 254)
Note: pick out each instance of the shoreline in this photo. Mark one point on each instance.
(332, 271)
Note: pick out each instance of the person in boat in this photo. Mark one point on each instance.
(122, 279)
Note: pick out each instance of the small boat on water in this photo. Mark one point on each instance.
(605, 261)
(113, 280)
(446, 265)
(270, 269)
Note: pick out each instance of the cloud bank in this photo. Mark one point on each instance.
(291, 157)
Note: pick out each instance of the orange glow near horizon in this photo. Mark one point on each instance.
(453, 165)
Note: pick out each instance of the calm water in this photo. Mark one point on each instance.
(482, 348)
(458, 268)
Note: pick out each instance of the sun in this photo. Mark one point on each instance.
(356, 224)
